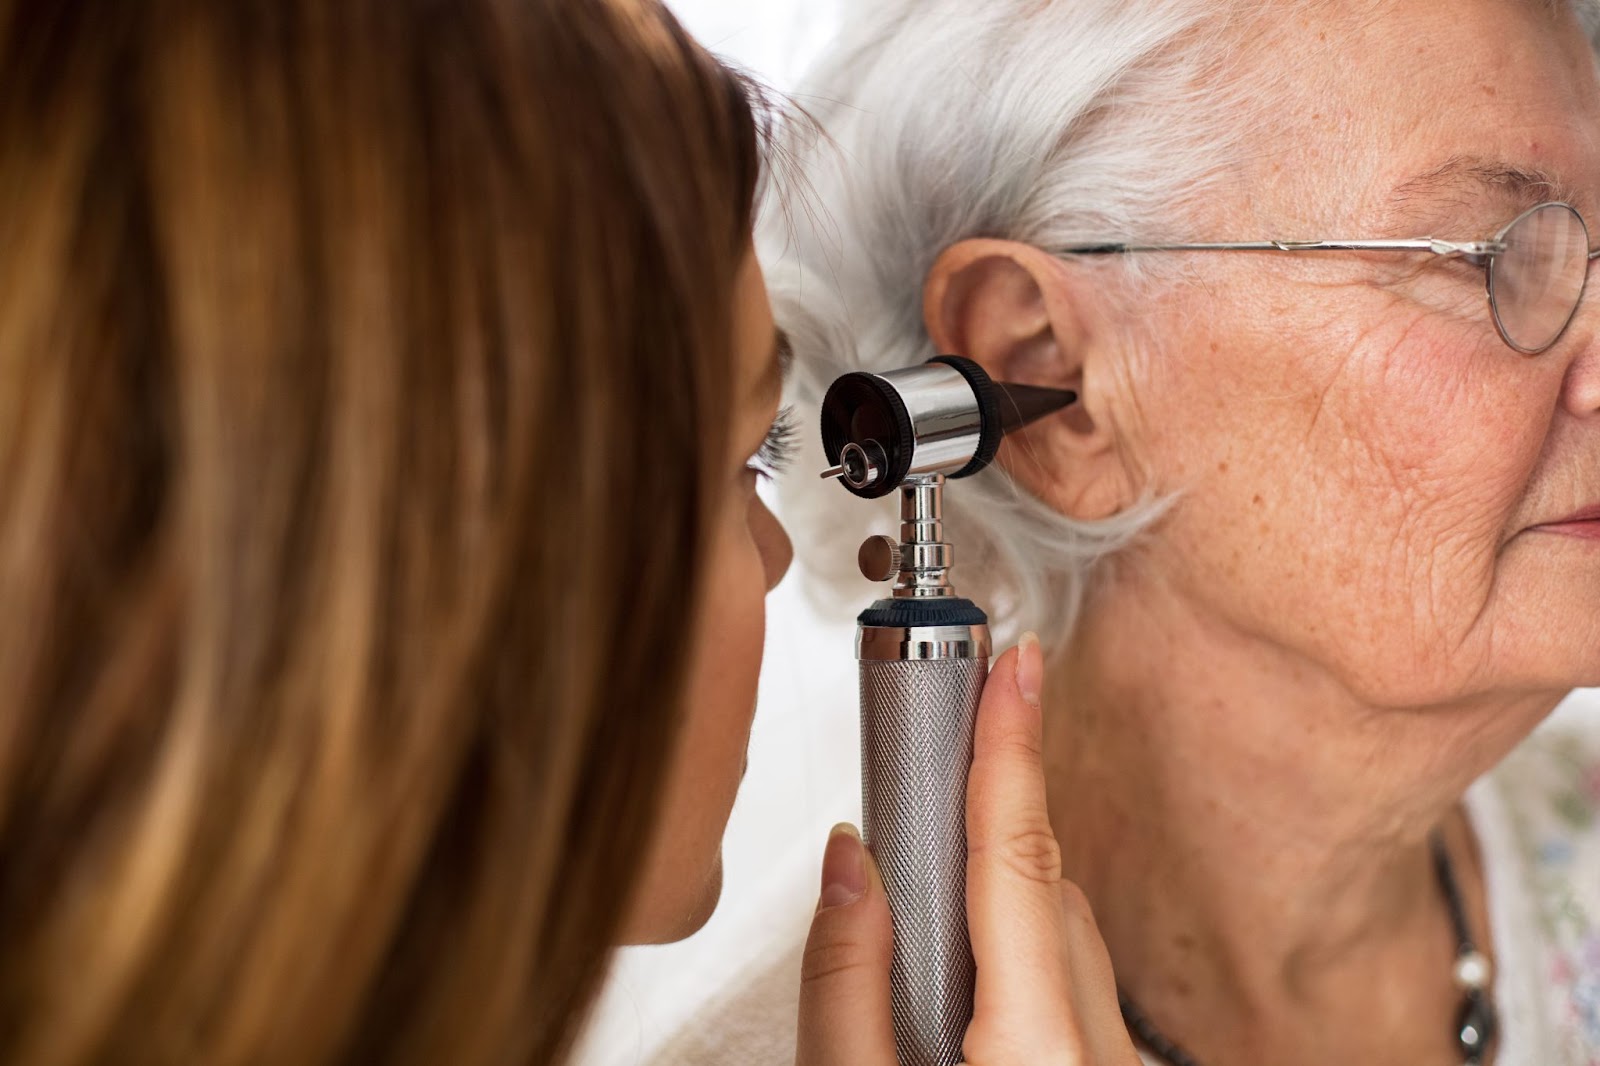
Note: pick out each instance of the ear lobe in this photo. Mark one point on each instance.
(1014, 310)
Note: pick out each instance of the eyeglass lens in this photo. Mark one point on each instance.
(1537, 283)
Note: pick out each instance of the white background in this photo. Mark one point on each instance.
(775, 39)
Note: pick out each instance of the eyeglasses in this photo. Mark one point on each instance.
(1537, 267)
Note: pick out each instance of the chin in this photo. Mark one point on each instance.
(690, 914)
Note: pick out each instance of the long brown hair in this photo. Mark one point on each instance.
(361, 365)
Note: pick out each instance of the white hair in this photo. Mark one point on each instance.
(1039, 121)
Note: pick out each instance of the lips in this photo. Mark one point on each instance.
(1585, 523)
(1588, 514)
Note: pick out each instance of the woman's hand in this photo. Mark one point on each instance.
(1045, 990)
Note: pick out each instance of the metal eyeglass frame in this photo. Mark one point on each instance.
(1484, 253)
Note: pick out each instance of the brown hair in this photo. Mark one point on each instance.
(361, 363)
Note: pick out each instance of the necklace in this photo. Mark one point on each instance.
(1476, 1023)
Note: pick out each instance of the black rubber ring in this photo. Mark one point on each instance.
(899, 451)
(911, 613)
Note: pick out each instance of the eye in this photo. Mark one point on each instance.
(777, 451)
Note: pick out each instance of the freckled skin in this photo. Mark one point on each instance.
(1382, 439)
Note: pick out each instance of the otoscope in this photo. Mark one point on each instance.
(924, 658)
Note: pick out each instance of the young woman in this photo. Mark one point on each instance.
(384, 385)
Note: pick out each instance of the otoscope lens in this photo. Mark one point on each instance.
(854, 461)
(865, 410)
(863, 464)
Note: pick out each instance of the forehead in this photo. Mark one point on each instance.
(1430, 112)
(760, 353)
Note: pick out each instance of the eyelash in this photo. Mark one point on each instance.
(777, 451)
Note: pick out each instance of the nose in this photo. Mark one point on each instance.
(1580, 391)
(772, 540)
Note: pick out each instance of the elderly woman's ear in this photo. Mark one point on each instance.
(1028, 317)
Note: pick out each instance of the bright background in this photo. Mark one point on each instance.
(775, 39)
(803, 775)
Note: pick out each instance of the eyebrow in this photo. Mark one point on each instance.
(1507, 182)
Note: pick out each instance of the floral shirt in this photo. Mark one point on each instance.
(1537, 818)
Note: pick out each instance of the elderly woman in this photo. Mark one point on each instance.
(1320, 547)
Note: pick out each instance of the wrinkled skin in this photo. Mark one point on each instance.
(1356, 605)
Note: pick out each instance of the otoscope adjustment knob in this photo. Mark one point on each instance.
(879, 558)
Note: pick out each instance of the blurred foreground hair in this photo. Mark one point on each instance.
(355, 358)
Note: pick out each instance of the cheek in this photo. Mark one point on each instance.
(1348, 495)
(732, 631)
(1426, 441)
(683, 877)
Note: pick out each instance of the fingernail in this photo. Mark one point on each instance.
(1030, 669)
(844, 868)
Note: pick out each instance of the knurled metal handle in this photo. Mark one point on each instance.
(917, 719)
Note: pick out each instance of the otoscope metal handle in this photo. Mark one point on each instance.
(919, 702)
(924, 658)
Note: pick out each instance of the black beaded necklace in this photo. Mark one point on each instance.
(1476, 1025)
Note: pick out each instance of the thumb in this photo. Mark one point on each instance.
(845, 1017)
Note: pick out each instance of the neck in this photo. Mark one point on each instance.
(1252, 838)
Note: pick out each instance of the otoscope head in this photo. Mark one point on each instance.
(944, 417)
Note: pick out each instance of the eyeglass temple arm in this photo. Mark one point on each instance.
(1466, 249)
